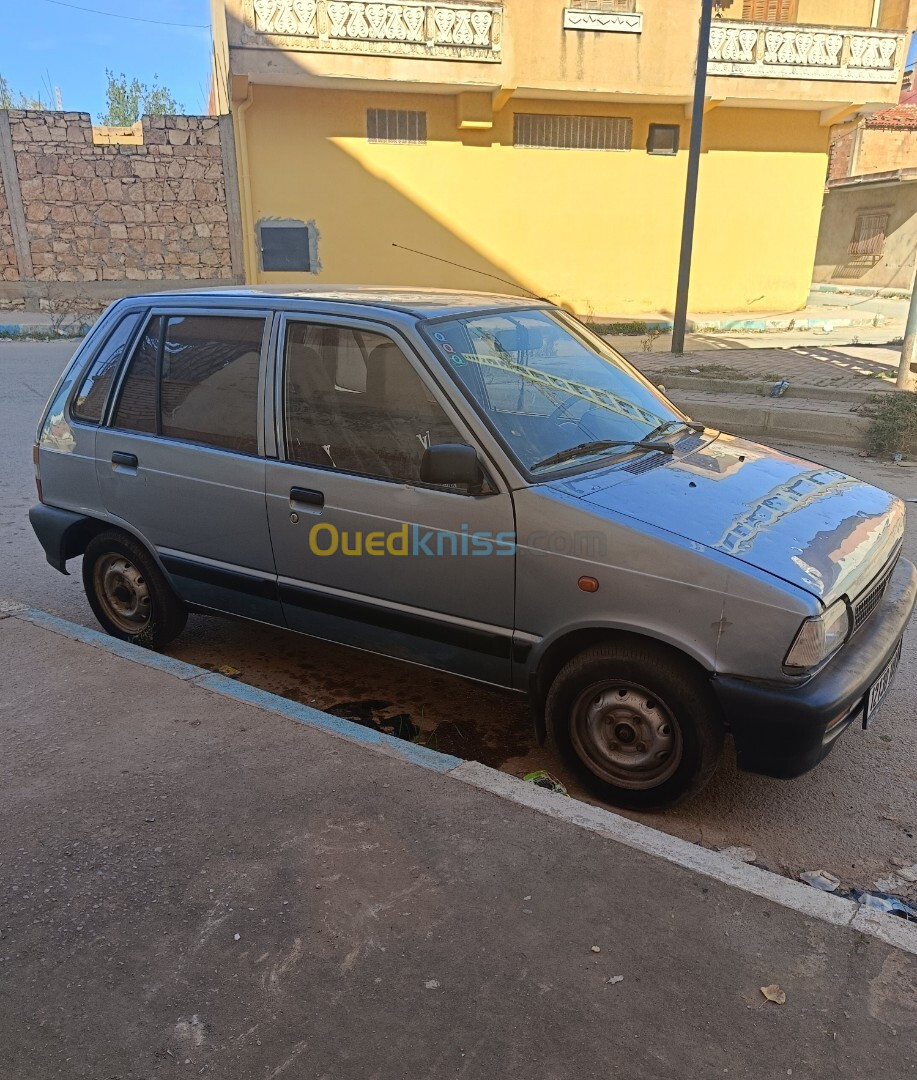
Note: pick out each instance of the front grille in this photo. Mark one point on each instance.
(869, 601)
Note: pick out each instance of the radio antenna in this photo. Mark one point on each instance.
(472, 270)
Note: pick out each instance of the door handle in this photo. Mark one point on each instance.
(119, 457)
(306, 497)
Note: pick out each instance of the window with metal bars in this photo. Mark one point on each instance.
(869, 233)
(545, 130)
(396, 126)
(603, 5)
(769, 10)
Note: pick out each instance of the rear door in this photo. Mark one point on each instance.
(181, 459)
(366, 553)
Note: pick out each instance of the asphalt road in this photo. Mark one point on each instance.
(855, 815)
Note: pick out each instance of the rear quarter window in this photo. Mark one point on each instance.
(89, 401)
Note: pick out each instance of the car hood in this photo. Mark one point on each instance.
(812, 526)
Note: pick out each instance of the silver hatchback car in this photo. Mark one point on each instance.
(479, 484)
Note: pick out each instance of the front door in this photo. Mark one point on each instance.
(181, 460)
(366, 554)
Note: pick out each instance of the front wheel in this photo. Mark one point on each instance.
(637, 723)
(128, 593)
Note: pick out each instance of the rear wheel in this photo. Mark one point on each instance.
(638, 724)
(128, 593)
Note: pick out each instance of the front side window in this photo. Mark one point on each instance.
(195, 378)
(353, 402)
(89, 401)
(554, 393)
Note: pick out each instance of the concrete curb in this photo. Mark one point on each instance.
(27, 331)
(863, 290)
(750, 879)
(757, 420)
(763, 389)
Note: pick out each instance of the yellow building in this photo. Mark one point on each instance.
(545, 141)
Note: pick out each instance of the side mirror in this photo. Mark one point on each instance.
(451, 463)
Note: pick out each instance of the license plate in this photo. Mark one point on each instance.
(880, 687)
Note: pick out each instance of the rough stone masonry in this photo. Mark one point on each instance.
(99, 212)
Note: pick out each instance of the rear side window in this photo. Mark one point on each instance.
(90, 399)
(197, 376)
(210, 381)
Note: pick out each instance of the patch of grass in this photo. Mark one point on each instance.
(894, 423)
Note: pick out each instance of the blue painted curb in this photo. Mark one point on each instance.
(29, 330)
(304, 714)
(754, 326)
(124, 649)
(248, 695)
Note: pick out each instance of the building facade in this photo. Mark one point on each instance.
(544, 141)
(868, 232)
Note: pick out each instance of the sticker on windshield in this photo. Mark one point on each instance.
(439, 336)
(447, 348)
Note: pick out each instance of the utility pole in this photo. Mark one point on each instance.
(905, 380)
(697, 131)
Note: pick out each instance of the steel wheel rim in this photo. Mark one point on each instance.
(123, 593)
(626, 735)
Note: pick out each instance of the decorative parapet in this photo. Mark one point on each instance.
(432, 30)
(780, 51)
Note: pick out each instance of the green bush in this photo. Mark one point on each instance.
(894, 424)
(621, 329)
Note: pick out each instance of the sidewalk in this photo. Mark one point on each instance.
(830, 394)
(193, 884)
(864, 369)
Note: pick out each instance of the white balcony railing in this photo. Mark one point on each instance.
(781, 51)
(422, 29)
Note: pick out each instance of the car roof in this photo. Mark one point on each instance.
(420, 302)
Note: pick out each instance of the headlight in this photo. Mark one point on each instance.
(818, 638)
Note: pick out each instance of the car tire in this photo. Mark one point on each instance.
(128, 593)
(637, 723)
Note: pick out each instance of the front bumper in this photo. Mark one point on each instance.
(782, 730)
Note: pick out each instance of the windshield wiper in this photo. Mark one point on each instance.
(691, 425)
(598, 447)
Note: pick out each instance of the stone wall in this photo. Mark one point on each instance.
(105, 215)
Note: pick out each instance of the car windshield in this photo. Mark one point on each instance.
(557, 395)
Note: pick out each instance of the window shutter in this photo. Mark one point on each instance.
(603, 5)
(769, 10)
(870, 234)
